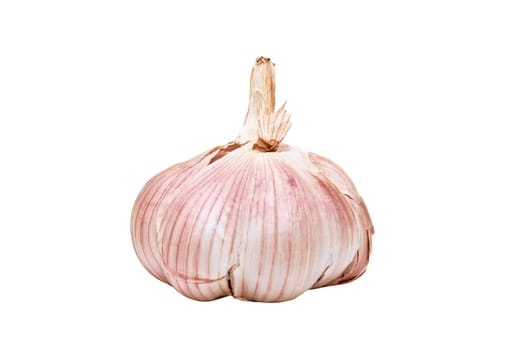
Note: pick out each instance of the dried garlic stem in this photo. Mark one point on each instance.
(261, 100)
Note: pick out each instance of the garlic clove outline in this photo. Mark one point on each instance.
(341, 180)
(149, 208)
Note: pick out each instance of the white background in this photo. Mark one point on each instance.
(420, 102)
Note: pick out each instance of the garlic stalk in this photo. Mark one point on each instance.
(255, 218)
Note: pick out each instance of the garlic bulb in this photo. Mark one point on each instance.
(255, 218)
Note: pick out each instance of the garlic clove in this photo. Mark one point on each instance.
(149, 207)
(341, 180)
(197, 234)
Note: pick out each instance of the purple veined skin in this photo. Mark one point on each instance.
(341, 180)
(255, 219)
(149, 208)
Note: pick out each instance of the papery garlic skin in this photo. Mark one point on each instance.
(149, 208)
(254, 219)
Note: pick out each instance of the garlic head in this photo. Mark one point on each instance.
(255, 218)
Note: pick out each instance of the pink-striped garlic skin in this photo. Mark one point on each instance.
(263, 226)
(341, 180)
(149, 208)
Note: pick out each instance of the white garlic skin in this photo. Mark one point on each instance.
(261, 226)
